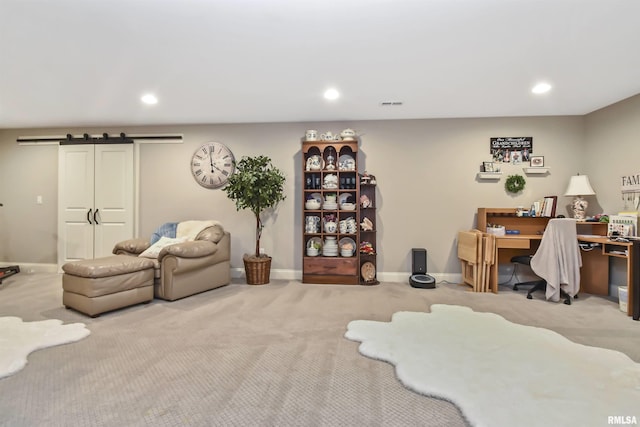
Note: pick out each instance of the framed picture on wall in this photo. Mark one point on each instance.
(487, 166)
(537, 161)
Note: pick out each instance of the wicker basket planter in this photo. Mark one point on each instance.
(257, 269)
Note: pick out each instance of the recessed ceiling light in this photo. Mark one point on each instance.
(149, 99)
(541, 88)
(331, 94)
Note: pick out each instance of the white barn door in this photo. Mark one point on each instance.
(113, 196)
(95, 199)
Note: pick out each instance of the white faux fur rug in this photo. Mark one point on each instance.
(501, 373)
(18, 339)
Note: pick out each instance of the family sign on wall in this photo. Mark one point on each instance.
(512, 150)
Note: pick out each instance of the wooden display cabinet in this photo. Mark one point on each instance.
(329, 168)
(368, 239)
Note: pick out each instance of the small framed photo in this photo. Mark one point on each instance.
(516, 157)
(537, 161)
(487, 166)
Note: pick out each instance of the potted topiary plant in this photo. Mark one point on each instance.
(256, 185)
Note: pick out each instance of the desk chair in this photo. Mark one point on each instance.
(557, 262)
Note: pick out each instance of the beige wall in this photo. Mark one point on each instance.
(426, 172)
(612, 149)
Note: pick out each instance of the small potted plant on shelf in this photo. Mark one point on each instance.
(256, 185)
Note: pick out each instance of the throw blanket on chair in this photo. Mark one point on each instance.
(190, 229)
(558, 258)
(165, 230)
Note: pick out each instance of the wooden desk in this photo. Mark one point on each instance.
(594, 275)
(509, 246)
(594, 265)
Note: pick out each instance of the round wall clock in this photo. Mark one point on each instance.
(212, 164)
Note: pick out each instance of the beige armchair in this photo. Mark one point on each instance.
(187, 268)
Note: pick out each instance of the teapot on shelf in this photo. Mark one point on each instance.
(327, 136)
(314, 163)
(348, 134)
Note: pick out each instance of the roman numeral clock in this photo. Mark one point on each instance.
(212, 164)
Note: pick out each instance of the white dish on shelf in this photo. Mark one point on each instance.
(368, 271)
(344, 198)
(347, 242)
(330, 181)
(330, 247)
(312, 204)
(316, 196)
(348, 206)
(313, 240)
(346, 163)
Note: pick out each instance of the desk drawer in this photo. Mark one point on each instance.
(513, 243)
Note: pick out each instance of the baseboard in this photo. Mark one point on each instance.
(399, 277)
(276, 274)
(32, 267)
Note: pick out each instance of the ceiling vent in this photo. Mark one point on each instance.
(390, 103)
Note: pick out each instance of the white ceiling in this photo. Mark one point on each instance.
(87, 62)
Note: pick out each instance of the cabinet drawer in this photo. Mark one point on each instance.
(327, 265)
(513, 243)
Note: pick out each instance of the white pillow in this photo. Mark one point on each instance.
(154, 250)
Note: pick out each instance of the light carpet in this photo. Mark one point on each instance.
(501, 373)
(18, 339)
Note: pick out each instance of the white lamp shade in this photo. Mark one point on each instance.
(579, 185)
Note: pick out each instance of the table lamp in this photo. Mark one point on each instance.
(579, 186)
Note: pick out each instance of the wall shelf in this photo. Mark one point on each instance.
(535, 171)
(489, 175)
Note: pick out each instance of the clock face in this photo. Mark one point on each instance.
(212, 165)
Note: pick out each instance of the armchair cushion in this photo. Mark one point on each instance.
(213, 233)
(131, 246)
(154, 250)
(192, 229)
(195, 249)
